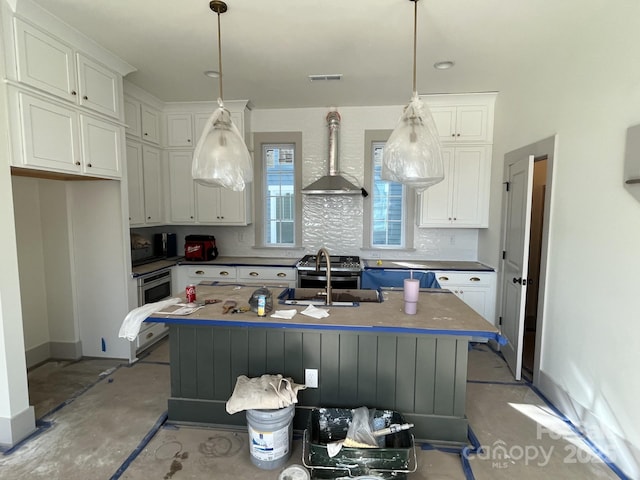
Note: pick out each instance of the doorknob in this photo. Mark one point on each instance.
(517, 280)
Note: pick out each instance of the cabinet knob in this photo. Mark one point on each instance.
(454, 219)
(188, 140)
(253, 274)
(89, 165)
(148, 218)
(457, 135)
(453, 134)
(145, 134)
(73, 92)
(191, 217)
(77, 163)
(85, 97)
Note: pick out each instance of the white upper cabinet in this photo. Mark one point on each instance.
(48, 64)
(181, 187)
(462, 124)
(132, 117)
(463, 118)
(98, 87)
(152, 181)
(180, 130)
(101, 148)
(51, 136)
(135, 183)
(150, 124)
(215, 205)
(461, 200)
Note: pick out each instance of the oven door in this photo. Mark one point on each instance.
(312, 279)
(154, 287)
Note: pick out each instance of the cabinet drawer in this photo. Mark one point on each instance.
(262, 273)
(222, 272)
(464, 278)
(150, 333)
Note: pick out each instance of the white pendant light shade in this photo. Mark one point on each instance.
(412, 155)
(221, 157)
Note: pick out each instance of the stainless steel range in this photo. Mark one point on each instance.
(345, 271)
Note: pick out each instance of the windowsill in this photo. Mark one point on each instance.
(387, 249)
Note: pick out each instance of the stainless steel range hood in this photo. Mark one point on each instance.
(334, 183)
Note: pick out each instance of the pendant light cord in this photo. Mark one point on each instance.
(415, 42)
(220, 56)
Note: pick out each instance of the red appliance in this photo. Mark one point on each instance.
(200, 247)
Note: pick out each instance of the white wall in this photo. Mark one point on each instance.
(26, 199)
(590, 347)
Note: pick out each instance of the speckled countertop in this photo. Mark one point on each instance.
(427, 265)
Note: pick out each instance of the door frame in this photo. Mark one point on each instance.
(545, 148)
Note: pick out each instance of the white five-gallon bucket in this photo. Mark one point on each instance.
(270, 436)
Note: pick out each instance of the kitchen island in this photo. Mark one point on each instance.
(372, 354)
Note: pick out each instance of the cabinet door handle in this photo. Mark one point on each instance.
(444, 279)
(281, 275)
(254, 274)
(149, 335)
(474, 279)
(224, 274)
(199, 272)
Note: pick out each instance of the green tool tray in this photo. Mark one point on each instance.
(328, 425)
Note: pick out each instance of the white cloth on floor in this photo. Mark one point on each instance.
(268, 392)
(288, 314)
(131, 324)
(315, 312)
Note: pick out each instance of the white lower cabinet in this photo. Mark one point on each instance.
(248, 275)
(461, 200)
(476, 289)
(280, 276)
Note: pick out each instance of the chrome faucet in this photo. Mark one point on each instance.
(323, 251)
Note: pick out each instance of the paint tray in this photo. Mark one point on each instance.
(326, 425)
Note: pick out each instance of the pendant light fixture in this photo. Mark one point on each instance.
(412, 154)
(221, 157)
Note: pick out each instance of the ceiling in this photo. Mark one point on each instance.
(269, 48)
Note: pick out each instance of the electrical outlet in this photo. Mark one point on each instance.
(311, 377)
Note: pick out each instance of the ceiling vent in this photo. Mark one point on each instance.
(332, 76)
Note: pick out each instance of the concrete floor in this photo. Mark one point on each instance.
(104, 420)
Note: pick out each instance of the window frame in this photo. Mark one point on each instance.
(276, 138)
(408, 205)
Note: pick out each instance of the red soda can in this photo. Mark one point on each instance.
(191, 293)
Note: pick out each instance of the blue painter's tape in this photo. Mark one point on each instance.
(143, 443)
(303, 326)
(466, 468)
(603, 456)
(475, 443)
(104, 345)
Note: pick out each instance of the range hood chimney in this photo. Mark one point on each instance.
(332, 184)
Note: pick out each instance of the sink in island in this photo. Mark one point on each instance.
(370, 355)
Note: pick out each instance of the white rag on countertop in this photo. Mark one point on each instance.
(315, 312)
(288, 314)
(131, 324)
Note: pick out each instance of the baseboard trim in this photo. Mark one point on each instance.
(17, 428)
(36, 355)
(66, 350)
(622, 456)
(58, 350)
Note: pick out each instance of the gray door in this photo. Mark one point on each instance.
(519, 176)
